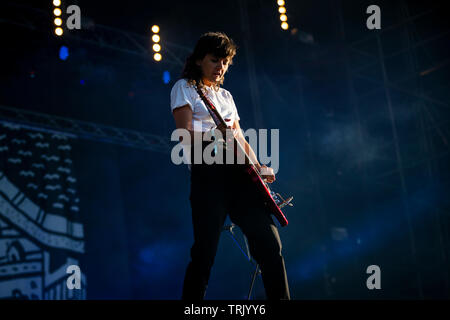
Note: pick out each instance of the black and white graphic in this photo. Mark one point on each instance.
(40, 229)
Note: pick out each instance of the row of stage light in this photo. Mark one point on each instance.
(156, 43)
(156, 47)
(156, 39)
(57, 21)
(283, 16)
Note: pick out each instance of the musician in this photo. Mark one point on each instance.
(221, 189)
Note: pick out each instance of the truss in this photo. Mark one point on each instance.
(84, 130)
(103, 37)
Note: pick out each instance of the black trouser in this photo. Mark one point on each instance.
(218, 190)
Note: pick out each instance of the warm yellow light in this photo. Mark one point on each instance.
(58, 21)
(156, 47)
(282, 10)
(284, 26)
(59, 31)
(280, 2)
(57, 12)
(283, 17)
(56, 3)
(157, 56)
(155, 29)
(156, 38)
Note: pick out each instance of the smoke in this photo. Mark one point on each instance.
(345, 143)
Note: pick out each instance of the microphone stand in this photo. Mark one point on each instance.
(246, 253)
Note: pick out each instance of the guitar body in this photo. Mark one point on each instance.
(261, 187)
(264, 191)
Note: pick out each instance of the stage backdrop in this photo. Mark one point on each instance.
(41, 234)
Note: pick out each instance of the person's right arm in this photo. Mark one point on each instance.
(183, 120)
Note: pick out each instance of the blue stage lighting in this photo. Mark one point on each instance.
(63, 53)
(166, 77)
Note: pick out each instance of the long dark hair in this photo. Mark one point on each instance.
(215, 43)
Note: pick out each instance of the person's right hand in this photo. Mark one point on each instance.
(267, 173)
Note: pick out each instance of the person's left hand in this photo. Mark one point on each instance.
(267, 173)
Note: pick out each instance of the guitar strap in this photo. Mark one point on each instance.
(214, 114)
(217, 118)
(212, 110)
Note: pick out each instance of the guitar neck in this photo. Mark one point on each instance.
(246, 156)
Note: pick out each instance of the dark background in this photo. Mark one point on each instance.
(364, 132)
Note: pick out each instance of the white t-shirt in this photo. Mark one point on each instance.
(183, 93)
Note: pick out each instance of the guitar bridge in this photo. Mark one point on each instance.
(280, 201)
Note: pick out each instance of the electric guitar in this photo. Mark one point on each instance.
(273, 201)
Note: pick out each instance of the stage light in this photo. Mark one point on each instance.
(155, 29)
(166, 77)
(156, 38)
(283, 17)
(282, 10)
(157, 56)
(58, 21)
(56, 3)
(59, 31)
(284, 26)
(57, 12)
(156, 47)
(280, 2)
(63, 53)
